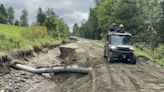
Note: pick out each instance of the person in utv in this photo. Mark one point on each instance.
(113, 27)
(121, 29)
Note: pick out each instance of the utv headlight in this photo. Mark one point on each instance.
(131, 48)
(113, 47)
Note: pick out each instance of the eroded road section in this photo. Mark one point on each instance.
(145, 76)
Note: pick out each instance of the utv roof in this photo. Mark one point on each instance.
(116, 33)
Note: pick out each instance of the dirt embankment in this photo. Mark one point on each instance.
(145, 76)
(6, 59)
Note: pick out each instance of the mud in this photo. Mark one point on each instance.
(145, 76)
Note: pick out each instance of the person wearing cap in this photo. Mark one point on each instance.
(121, 29)
(113, 27)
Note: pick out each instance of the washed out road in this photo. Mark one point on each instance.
(145, 76)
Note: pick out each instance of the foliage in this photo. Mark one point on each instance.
(49, 29)
(17, 23)
(41, 17)
(10, 15)
(34, 32)
(50, 23)
(161, 23)
(127, 12)
(159, 53)
(23, 18)
(88, 29)
(137, 16)
(76, 29)
(55, 25)
(143, 49)
(14, 37)
(3, 14)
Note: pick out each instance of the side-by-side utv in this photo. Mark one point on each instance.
(118, 46)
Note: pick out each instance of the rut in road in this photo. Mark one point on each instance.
(119, 77)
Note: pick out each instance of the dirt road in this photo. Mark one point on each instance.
(145, 76)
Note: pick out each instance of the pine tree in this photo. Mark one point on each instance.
(41, 17)
(3, 14)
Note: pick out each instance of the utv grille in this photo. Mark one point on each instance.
(123, 49)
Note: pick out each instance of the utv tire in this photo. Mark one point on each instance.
(134, 60)
(105, 54)
(110, 57)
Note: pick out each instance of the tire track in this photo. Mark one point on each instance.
(101, 79)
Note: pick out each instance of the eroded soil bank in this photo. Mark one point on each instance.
(145, 76)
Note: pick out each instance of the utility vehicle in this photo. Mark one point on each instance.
(118, 46)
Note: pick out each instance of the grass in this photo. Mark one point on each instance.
(156, 55)
(140, 53)
(20, 38)
(100, 42)
(11, 31)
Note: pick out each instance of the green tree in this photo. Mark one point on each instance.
(51, 18)
(10, 15)
(92, 25)
(161, 24)
(62, 29)
(50, 12)
(3, 14)
(17, 23)
(41, 17)
(151, 34)
(56, 26)
(24, 18)
(97, 2)
(76, 29)
(130, 14)
(50, 23)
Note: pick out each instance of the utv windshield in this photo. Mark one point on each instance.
(120, 40)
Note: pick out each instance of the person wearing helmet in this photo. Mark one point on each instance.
(121, 29)
(113, 27)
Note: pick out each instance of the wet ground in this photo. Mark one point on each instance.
(145, 76)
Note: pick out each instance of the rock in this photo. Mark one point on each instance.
(34, 54)
(45, 50)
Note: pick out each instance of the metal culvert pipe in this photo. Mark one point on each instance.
(57, 69)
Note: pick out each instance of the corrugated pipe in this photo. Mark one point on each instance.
(56, 69)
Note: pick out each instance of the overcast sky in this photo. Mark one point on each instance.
(70, 10)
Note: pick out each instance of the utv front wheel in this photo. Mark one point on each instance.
(134, 60)
(110, 57)
(105, 54)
